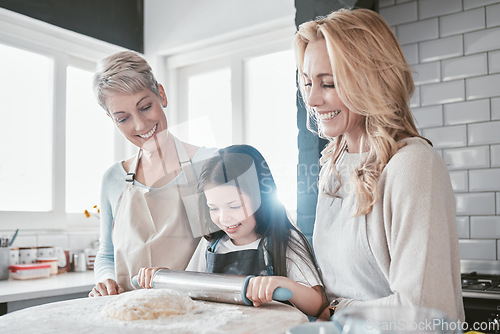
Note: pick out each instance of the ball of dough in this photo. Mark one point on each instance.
(147, 304)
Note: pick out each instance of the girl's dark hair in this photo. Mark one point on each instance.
(272, 222)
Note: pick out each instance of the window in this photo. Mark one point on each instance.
(241, 92)
(207, 100)
(89, 142)
(270, 117)
(26, 137)
(56, 140)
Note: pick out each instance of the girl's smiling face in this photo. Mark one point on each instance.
(232, 211)
(139, 116)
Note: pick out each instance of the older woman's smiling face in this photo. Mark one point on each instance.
(139, 116)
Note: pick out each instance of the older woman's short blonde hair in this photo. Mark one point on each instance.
(123, 72)
(373, 79)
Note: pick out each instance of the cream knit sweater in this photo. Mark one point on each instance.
(412, 233)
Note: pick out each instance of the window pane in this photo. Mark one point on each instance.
(26, 83)
(89, 142)
(210, 120)
(271, 118)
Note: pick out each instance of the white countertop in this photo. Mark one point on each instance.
(84, 315)
(56, 285)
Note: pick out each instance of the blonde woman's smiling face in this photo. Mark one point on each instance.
(322, 96)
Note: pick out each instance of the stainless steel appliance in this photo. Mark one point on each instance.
(481, 295)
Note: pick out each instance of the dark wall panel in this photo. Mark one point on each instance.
(310, 145)
(119, 22)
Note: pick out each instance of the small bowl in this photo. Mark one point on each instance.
(318, 327)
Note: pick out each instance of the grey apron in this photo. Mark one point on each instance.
(340, 242)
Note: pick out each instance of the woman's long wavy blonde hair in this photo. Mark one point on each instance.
(372, 78)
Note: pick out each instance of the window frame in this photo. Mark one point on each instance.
(67, 48)
(231, 51)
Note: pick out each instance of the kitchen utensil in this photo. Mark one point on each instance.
(14, 256)
(4, 262)
(210, 287)
(50, 260)
(30, 270)
(44, 251)
(13, 237)
(62, 259)
(27, 255)
(79, 262)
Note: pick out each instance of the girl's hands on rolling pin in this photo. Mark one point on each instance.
(145, 276)
(105, 288)
(260, 288)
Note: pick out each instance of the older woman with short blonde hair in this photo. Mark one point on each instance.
(146, 217)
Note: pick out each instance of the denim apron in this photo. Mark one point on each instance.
(244, 262)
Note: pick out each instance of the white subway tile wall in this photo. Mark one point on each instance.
(493, 16)
(462, 22)
(415, 99)
(398, 14)
(467, 112)
(484, 179)
(482, 203)
(50, 239)
(427, 117)
(474, 249)
(463, 227)
(418, 31)
(432, 8)
(468, 4)
(426, 73)
(73, 241)
(443, 92)
(467, 157)
(480, 41)
(459, 180)
(498, 203)
(440, 48)
(495, 108)
(385, 3)
(494, 62)
(453, 47)
(484, 86)
(411, 53)
(486, 227)
(450, 136)
(484, 133)
(495, 155)
(464, 67)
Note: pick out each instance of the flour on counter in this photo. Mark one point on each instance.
(147, 304)
(203, 318)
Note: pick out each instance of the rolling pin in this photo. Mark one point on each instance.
(210, 287)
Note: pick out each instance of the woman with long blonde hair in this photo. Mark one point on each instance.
(385, 230)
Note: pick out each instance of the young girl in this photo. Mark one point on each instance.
(247, 232)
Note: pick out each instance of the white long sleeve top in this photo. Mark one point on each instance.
(412, 256)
